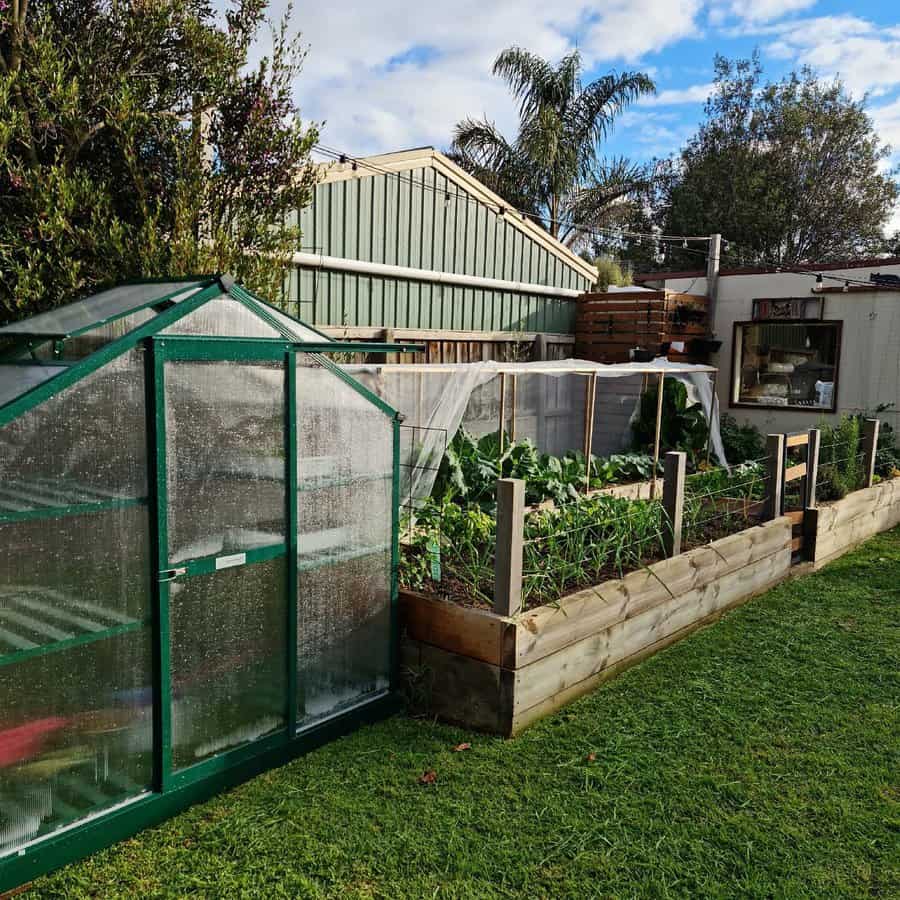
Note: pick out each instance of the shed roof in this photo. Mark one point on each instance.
(428, 157)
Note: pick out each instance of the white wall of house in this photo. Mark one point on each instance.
(869, 362)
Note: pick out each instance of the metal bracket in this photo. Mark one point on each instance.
(171, 574)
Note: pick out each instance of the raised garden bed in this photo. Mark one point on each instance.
(500, 674)
(844, 524)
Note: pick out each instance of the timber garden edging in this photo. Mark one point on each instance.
(500, 674)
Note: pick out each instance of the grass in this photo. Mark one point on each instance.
(757, 758)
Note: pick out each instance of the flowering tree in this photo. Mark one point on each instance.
(135, 140)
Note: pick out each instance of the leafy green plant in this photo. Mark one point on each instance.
(887, 454)
(840, 466)
(741, 441)
(683, 425)
(470, 468)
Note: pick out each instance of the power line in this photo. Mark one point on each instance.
(501, 209)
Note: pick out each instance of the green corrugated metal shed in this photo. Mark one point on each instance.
(419, 211)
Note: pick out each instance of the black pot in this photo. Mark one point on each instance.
(702, 346)
(638, 354)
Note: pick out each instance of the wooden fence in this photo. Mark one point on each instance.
(609, 325)
(443, 346)
(780, 469)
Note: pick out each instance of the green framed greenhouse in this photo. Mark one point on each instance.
(198, 553)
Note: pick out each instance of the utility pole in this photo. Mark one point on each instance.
(712, 280)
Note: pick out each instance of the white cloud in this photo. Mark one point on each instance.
(865, 56)
(764, 10)
(696, 93)
(395, 74)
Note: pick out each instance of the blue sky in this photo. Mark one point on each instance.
(385, 75)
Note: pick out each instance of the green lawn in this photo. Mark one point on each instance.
(759, 757)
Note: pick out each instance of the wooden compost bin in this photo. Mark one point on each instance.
(499, 674)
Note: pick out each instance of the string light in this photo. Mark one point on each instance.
(659, 241)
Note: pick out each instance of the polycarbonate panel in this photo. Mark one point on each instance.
(85, 344)
(75, 669)
(229, 659)
(223, 317)
(345, 471)
(16, 380)
(298, 330)
(86, 444)
(92, 310)
(225, 430)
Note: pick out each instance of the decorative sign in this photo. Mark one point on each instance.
(788, 308)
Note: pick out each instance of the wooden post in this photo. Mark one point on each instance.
(502, 407)
(512, 414)
(812, 467)
(539, 348)
(673, 500)
(387, 337)
(590, 395)
(510, 536)
(774, 500)
(659, 408)
(870, 448)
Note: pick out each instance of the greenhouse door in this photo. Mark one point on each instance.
(223, 452)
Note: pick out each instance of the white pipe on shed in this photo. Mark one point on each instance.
(383, 270)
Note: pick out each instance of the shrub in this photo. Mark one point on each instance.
(840, 466)
(742, 442)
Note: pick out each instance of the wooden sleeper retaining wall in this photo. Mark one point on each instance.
(500, 674)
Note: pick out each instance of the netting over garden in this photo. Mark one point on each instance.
(561, 407)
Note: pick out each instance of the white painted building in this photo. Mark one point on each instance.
(795, 348)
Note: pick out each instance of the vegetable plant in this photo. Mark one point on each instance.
(683, 425)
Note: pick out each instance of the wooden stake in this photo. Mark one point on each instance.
(502, 407)
(590, 396)
(812, 466)
(870, 448)
(510, 537)
(773, 504)
(512, 417)
(673, 500)
(659, 408)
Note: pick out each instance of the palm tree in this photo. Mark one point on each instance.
(553, 169)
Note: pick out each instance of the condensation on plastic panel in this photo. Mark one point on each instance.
(75, 669)
(225, 456)
(229, 659)
(298, 330)
(85, 444)
(223, 317)
(345, 449)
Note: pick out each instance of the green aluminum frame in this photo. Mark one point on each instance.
(174, 791)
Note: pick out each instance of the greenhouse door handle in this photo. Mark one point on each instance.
(170, 574)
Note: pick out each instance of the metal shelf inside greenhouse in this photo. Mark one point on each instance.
(36, 621)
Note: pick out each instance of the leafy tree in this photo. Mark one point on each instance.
(788, 172)
(136, 141)
(553, 169)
